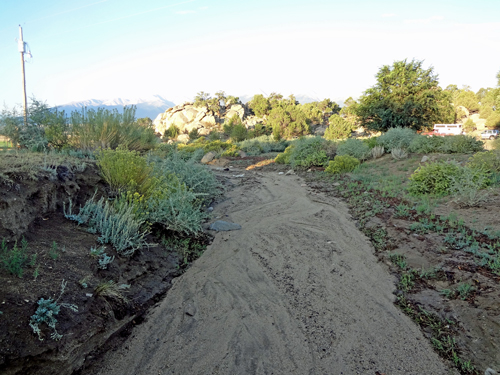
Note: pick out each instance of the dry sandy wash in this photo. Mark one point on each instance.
(297, 290)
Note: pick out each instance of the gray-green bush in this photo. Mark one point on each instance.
(354, 147)
(396, 138)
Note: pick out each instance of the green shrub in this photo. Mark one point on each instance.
(396, 138)
(177, 210)
(466, 189)
(438, 178)
(485, 111)
(371, 142)
(197, 177)
(193, 134)
(238, 133)
(102, 128)
(342, 164)
(469, 125)
(486, 160)
(172, 132)
(119, 228)
(493, 120)
(214, 136)
(461, 144)
(124, 170)
(46, 312)
(338, 128)
(284, 157)
(354, 147)
(262, 144)
(308, 151)
(426, 144)
(15, 259)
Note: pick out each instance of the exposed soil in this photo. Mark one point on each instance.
(33, 209)
(298, 290)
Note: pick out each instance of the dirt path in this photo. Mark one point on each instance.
(296, 291)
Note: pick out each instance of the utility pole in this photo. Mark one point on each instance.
(21, 48)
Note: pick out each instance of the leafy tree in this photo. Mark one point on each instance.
(339, 128)
(493, 120)
(482, 93)
(260, 105)
(405, 95)
(312, 112)
(469, 125)
(349, 111)
(288, 123)
(201, 99)
(467, 99)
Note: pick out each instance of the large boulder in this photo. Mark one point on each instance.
(236, 109)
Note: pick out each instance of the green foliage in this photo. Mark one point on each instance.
(308, 151)
(486, 160)
(442, 178)
(342, 164)
(354, 147)
(238, 133)
(120, 228)
(188, 249)
(15, 259)
(259, 105)
(124, 170)
(405, 95)
(466, 189)
(485, 111)
(466, 99)
(284, 157)
(46, 312)
(262, 144)
(448, 145)
(193, 134)
(197, 177)
(461, 144)
(339, 128)
(288, 122)
(93, 129)
(172, 132)
(396, 138)
(493, 120)
(469, 125)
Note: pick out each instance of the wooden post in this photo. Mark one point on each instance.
(21, 42)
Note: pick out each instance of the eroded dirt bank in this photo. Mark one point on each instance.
(297, 290)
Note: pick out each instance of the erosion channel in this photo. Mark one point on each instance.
(298, 290)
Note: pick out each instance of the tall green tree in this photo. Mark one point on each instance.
(405, 95)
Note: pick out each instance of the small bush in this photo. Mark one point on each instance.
(172, 132)
(263, 144)
(355, 148)
(338, 128)
(371, 142)
(238, 133)
(46, 312)
(15, 259)
(342, 164)
(469, 126)
(461, 144)
(198, 178)
(397, 138)
(305, 152)
(466, 189)
(284, 157)
(124, 170)
(119, 228)
(422, 144)
(399, 153)
(193, 134)
(487, 160)
(377, 152)
(438, 178)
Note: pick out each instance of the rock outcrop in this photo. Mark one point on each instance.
(188, 117)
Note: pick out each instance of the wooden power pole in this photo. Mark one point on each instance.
(22, 50)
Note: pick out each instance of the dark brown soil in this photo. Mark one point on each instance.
(34, 210)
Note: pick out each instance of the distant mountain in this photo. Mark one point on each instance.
(146, 107)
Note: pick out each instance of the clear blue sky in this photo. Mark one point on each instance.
(104, 49)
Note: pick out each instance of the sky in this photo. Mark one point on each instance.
(105, 49)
